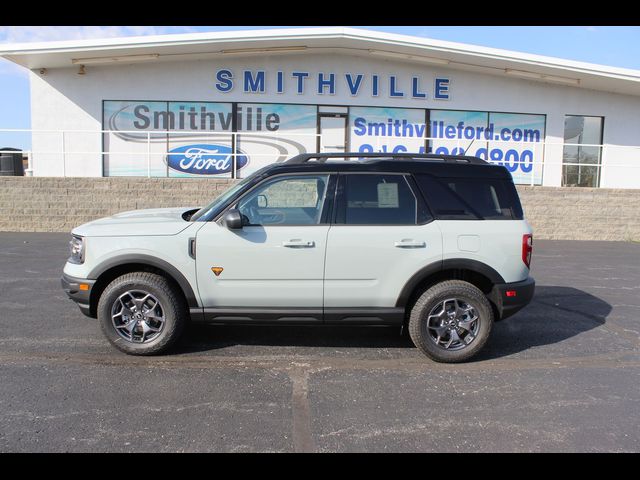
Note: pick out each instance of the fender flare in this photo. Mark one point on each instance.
(172, 271)
(448, 264)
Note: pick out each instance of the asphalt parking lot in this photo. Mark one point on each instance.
(561, 375)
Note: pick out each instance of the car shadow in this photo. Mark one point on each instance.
(555, 314)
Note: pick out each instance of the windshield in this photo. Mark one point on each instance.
(219, 202)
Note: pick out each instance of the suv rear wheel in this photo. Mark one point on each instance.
(141, 313)
(451, 321)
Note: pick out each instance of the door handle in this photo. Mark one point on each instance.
(298, 244)
(410, 244)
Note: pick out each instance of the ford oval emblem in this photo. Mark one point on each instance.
(205, 159)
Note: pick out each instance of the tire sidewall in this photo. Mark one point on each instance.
(437, 294)
(172, 323)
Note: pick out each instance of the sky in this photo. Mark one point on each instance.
(615, 46)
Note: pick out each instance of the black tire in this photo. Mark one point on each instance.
(172, 306)
(430, 300)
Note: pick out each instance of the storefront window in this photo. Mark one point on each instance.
(393, 130)
(582, 151)
(192, 139)
(270, 132)
(166, 139)
(514, 140)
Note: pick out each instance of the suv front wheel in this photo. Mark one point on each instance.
(141, 313)
(451, 321)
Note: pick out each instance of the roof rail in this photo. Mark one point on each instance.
(323, 157)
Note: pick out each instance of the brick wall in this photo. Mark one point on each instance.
(43, 204)
(47, 204)
(579, 213)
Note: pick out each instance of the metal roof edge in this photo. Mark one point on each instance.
(9, 51)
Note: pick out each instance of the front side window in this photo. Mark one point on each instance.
(290, 200)
(377, 200)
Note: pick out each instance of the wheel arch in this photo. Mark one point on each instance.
(107, 271)
(477, 273)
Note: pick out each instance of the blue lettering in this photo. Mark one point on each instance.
(392, 87)
(496, 156)
(526, 155)
(400, 149)
(482, 153)
(414, 90)
(280, 82)
(301, 77)
(354, 87)
(374, 85)
(511, 154)
(442, 89)
(360, 126)
(224, 83)
(322, 83)
(450, 131)
(253, 85)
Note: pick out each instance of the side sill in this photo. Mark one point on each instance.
(299, 316)
(262, 315)
(364, 316)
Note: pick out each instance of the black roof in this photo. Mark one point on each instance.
(437, 165)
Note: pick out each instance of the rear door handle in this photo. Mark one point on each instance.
(298, 244)
(410, 244)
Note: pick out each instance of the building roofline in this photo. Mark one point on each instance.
(58, 54)
(30, 48)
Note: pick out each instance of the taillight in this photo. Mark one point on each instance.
(527, 248)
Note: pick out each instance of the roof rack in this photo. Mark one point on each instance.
(323, 157)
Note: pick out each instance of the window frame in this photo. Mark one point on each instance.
(339, 213)
(597, 165)
(327, 206)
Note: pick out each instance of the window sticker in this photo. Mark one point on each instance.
(388, 195)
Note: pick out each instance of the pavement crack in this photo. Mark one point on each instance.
(301, 411)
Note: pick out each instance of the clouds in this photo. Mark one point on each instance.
(23, 34)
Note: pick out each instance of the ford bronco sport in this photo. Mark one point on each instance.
(436, 244)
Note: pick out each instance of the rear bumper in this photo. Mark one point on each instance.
(71, 287)
(509, 298)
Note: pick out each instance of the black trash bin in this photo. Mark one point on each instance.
(11, 163)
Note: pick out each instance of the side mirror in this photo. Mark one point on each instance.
(262, 201)
(232, 219)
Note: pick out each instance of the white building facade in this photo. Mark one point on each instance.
(224, 105)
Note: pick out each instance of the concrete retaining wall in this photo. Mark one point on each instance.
(45, 204)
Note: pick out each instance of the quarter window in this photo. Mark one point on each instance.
(470, 199)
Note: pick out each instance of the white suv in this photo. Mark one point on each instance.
(435, 243)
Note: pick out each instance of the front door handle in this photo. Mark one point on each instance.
(410, 244)
(298, 244)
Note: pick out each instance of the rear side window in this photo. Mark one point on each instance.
(471, 198)
(370, 199)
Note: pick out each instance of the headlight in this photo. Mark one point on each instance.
(76, 247)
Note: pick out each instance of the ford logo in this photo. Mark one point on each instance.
(205, 159)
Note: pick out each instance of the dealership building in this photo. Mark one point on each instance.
(225, 104)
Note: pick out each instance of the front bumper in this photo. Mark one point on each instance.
(71, 287)
(520, 294)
